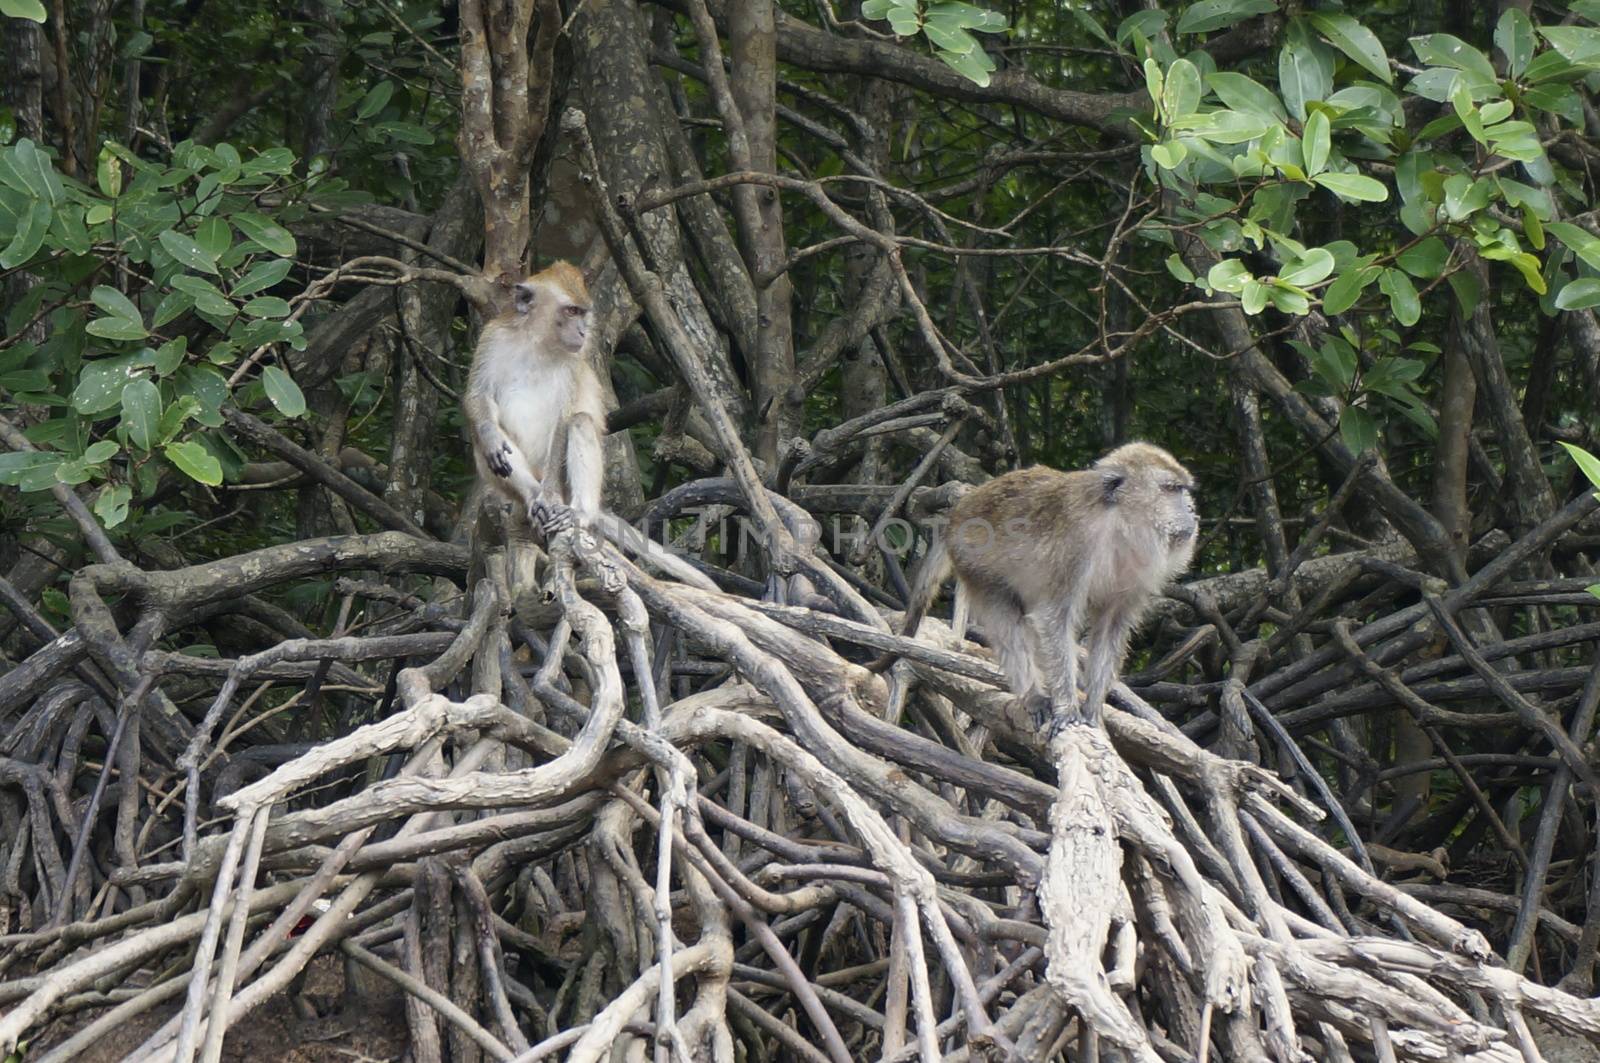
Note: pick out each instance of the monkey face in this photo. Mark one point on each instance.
(1146, 480)
(1183, 519)
(558, 313)
(572, 325)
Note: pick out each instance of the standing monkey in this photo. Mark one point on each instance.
(533, 402)
(1047, 557)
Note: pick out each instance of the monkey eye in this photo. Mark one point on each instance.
(1175, 487)
(575, 311)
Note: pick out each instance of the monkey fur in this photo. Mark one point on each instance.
(534, 402)
(1046, 558)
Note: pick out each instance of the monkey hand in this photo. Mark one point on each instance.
(498, 457)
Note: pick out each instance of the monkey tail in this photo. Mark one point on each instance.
(935, 569)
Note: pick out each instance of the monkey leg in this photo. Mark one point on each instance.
(1053, 637)
(1108, 642)
(585, 465)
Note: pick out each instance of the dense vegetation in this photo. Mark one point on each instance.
(269, 694)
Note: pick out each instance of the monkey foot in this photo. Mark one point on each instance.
(1051, 717)
(555, 519)
(1041, 710)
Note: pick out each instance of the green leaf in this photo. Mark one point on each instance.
(1305, 73)
(1583, 243)
(1316, 143)
(1425, 259)
(1181, 93)
(74, 471)
(25, 242)
(273, 160)
(1442, 49)
(1312, 267)
(967, 16)
(903, 21)
(1353, 186)
(1581, 294)
(283, 391)
(114, 303)
(1577, 44)
(176, 416)
(1587, 463)
(1461, 100)
(182, 247)
(950, 37)
(266, 232)
(1524, 263)
(262, 275)
(1254, 296)
(1176, 267)
(100, 384)
(1169, 155)
(411, 133)
(170, 355)
(974, 66)
(1153, 80)
(31, 172)
(1356, 41)
(108, 173)
(214, 237)
(1402, 295)
(1210, 15)
(375, 100)
(32, 10)
(207, 297)
(1224, 127)
(1229, 275)
(1092, 24)
(1514, 37)
(1463, 196)
(98, 452)
(1245, 94)
(267, 306)
(1146, 24)
(116, 328)
(69, 231)
(30, 470)
(141, 412)
(111, 506)
(1343, 293)
(1289, 300)
(1357, 428)
(195, 461)
(209, 389)
(1468, 290)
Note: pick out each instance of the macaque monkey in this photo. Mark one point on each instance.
(1045, 558)
(533, 402)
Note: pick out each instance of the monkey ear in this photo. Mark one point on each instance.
(1110, 481)
(523, 297)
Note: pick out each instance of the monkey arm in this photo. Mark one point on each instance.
(499, 454)
(483, 413)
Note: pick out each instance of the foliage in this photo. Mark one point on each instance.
(136, 386)
(948, 26)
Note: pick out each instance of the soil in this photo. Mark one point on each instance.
(365, 1028)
